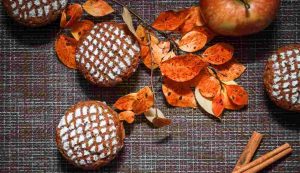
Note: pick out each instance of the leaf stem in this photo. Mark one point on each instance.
(246, 4)
(152, 70)
(149, 27)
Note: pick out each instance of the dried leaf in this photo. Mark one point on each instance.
(169, 21)
(206, 31)
(178, 94)
(218, 54)
(97, 8)
(205, 103)
(127, 116)
(208, 85)
(218, 105)
(230, 70)
(141, 35)
(182, 68)
(193, 18)
(126, 102)
(228, 104)
(128, 20)
(168, 56)
(144, 101)
(65, 48)
(156, 56)
(157, 118)
(71, 15)
(237, 94)
(193, 41)
(81, 28)
(161, 122)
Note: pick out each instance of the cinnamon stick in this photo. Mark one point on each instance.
(249, 150)
(266, 159)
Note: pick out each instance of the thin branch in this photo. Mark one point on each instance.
(152, 70)
(149, 27)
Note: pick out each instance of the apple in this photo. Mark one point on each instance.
(238, 17)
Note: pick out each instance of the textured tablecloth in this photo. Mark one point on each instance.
(36, 89)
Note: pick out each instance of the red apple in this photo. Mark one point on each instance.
(238, 17)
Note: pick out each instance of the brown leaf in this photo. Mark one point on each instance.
(144, 101)
(126, 102)
(178, 94)
(65, 48)
(169, 21)
(71, 15)
(193, 41)
(161, 122)
(81, 28)
(230, 70)
(97, 8)
(218, 54)
(193, 18)
(205, 103)
(182, 68)
(127, 116)
(208, 85)
(126, 15)
(157, 118)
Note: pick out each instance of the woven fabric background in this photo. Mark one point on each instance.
(36, 90)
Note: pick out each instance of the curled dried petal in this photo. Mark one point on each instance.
(65, 48)
(126, 102)
(127, 116)
(97, 8)
(71, 15)
(81, 28)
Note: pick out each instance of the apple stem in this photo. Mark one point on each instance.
(246, 4)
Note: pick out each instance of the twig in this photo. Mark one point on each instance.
(249, 150)
(152, 71)
(266, 159)
(149, 27)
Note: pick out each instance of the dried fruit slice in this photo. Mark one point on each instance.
(169, 21)
(237, 94)
(97, 8)
(193, 41)
(65, 48)
(127, 116)
(193, 19)
(125, 103)
(71, 15)
(218, 54)
(144, 101)
(182, 68)
(81, 28)
(208, 85)
(230, 70)
(178, 94)
(218, 105)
